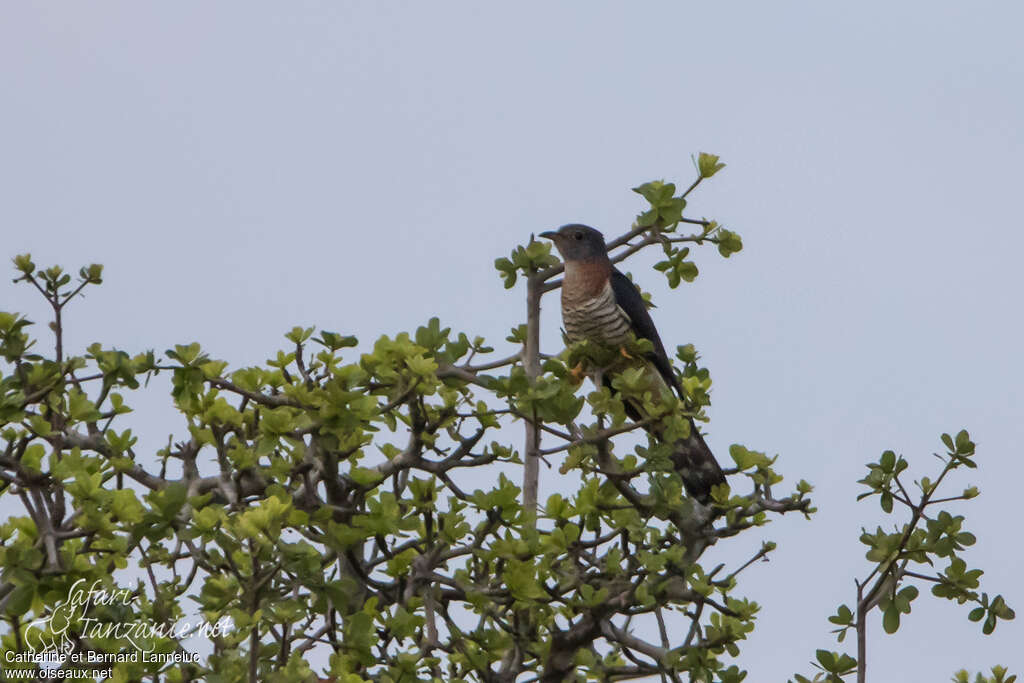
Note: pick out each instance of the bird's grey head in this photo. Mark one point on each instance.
(576, 242)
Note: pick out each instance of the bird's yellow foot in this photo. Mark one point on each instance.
(625, 353)
(577, 373)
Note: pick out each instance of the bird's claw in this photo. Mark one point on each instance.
(625, 353)
(577, 373)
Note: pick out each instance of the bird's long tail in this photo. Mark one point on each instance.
(697, 465)
(691, 457)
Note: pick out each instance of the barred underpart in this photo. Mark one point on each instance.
(598, 319)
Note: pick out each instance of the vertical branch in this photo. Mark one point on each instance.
(254, 636)
(862, 635)
(58, 329)
(531, 364)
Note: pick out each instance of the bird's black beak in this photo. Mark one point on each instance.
(550, 234)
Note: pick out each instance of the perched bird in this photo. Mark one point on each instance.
(600, 304)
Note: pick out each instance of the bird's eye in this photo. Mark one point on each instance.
(577, 235)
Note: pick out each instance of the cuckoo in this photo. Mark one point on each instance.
(601, 305)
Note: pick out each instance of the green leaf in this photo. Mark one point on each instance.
(424, 367)
(299, 335)
(846, 663)
(708, 165)
(729, 242)
(687, 353)
(843, 617)
(335, 341)
(657, 192)
(93, 273)
(23, 262)
(20, 600)
(891, 620)
(363, 477)
(33, 457)
(186, 355)
(964, 445)
(647, 218)
(688, 271)
(888, 461)
(125, 506)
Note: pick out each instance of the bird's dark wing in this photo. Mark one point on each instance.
(691, 456)
(629, 299)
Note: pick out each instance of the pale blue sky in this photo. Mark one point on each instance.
(242, 167)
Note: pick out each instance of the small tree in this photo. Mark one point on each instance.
(931, 536)
(355, 515)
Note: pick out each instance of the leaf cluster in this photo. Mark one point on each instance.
(925, 550)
